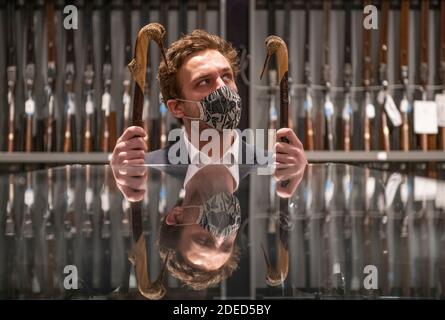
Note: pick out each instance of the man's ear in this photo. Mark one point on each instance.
(176, 108)
(172, 216)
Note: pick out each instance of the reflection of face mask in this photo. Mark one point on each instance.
(220, 215)
(221, 109)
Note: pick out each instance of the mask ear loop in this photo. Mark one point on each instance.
(197, 221)
(201, 109)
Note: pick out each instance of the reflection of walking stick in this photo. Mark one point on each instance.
(276, 275)
(138, 257)
(138, 69)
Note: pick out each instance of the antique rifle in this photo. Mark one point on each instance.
(347, 109)
(126, 97)
(404, 104)
(109, 116)
(328, 105)
(442, 64)
(308, 106)
(88, 143)
(70, 144)
(383, 74)
(50, 136)
(11, 71)
(369, 110)
(30, 105)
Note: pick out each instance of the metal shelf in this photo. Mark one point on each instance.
(55, 157)
(313, 156)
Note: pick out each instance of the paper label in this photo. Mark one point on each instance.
(391, 188)
(89, 107)
(30, 107)
(328, 108)
(424, 189)
(370, 111)
(370, 187)
(440, 101)
(440, 195)
(425, 117)
(89, 195)
(392, 111)
(29, 197)
(105, 201)
(404, 105)
(106, 100)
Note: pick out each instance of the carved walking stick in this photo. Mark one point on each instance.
(275, 45)
(138, 70)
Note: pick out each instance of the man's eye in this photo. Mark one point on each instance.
(203, 82)
(227, 77)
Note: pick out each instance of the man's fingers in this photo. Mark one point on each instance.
(132, 195)
(285, 158)
(289, 189)
(134, 162)
(290, 135)
(133, 154)
(132, 132)
(136, 183)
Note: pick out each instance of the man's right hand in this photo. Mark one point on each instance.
(130, 148)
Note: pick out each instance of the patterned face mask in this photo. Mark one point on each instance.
(220, 215)
(221, 109)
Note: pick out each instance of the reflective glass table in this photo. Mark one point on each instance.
(323, 231)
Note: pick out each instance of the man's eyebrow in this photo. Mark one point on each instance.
(206, 75)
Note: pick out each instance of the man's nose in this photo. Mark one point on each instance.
(219, 241)
(220, 83)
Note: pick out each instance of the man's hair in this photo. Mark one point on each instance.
(194, 278)
(198, 40)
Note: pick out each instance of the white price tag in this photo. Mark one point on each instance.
(347, 111)
(105, 201)
(392, 111)
(424, 189)
(370, 111)
(425, 117)
(29, 197)
(370, 187)
(391, 188)
(125, 204)
(404, 105)
(328, 191)
(89, 107)
(30, 107)
(440, 101)
(440, 195)
(106, 100)
(404, 192)
(328, 108)
(89, 195)
(381, 97)
(126, 99)
(70, 196)
(71, 106)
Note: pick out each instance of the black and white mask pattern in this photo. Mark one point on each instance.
(221, 215)
(221, 109)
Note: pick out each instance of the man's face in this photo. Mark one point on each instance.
(202, 73)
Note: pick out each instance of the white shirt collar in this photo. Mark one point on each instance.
(199, 159)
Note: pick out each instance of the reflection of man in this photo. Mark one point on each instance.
(198, 236)
(199, 88)
(199, 233)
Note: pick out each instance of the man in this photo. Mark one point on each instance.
(199, 89)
